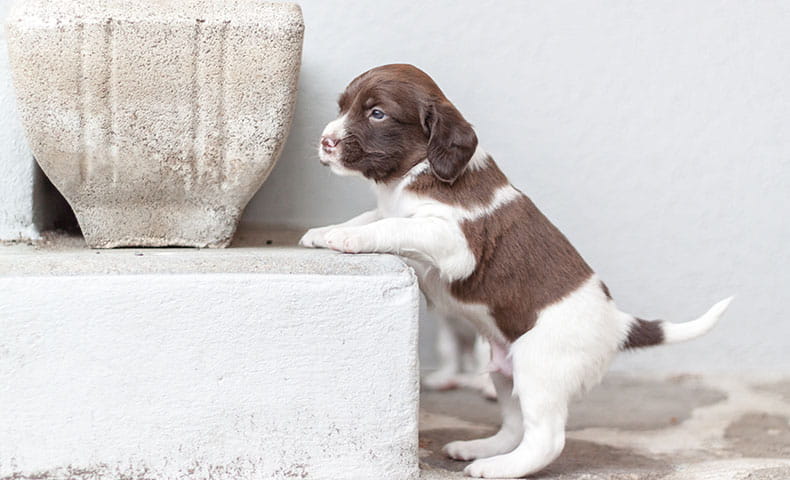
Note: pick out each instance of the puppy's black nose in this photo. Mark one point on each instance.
(329, 144)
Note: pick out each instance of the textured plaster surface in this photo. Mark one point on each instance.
(158, 121)
(637, 428)
(17, 176)
(261, 362)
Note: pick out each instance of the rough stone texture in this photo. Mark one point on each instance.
(67, 255)
(17, 173)
(158, 121)
(298, 364)
(718, 428)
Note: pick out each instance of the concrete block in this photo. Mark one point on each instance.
(17, 176)
(160, 364)
(157, 121)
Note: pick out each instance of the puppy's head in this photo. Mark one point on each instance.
(391, 118)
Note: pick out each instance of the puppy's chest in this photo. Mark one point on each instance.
(396, 201)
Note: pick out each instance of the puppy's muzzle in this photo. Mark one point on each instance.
(329, 144)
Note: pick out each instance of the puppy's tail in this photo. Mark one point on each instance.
(644, 333)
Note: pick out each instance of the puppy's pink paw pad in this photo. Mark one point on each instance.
(344, 241)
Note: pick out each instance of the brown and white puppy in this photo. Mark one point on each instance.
(484, 253)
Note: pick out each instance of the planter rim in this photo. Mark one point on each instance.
(46, 13)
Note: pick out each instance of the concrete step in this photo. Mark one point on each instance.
(254, 362)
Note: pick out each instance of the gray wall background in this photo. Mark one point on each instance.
(656, 135)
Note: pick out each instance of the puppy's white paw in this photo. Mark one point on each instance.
(463, 450)
(440, 380)
(314, 238)
(345, 240)
(494, 467)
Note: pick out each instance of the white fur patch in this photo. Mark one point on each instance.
(502, 197)
(567, 351)
(480, 159)
(336, 129)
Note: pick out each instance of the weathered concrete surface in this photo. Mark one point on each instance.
(158, 121)
(638, 428)
(253, 362)
(252, 251)
(17, 176)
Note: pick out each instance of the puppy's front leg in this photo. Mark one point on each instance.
(437, 240)
(315, 236)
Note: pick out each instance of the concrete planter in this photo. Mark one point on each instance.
(158, 121)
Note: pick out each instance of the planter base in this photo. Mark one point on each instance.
(202, 227)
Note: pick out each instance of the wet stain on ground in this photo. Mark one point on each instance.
(588, 460)
(619, 402)
(635, 404)
(760, 435)
(782, 388)
(579, 459)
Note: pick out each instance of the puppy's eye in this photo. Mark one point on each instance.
(377, 114)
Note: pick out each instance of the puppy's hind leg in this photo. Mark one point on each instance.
(544, 410)
(567, 351)
(481, 351)
(509, 434)
(448, 347)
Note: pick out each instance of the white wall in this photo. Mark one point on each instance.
(656, 135)
(17, 169)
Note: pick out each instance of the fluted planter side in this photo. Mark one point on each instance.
(158, 121)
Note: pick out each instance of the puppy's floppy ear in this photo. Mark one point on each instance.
(452, 141)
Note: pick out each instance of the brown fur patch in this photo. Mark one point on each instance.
(471, 189)
(524, 264)
(644, 333)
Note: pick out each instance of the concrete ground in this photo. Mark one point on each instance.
(683, 427)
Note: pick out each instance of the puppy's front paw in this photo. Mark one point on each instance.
(510, 465)
(314, 238)
(461, 450)
(345, 240)
(487, 468)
